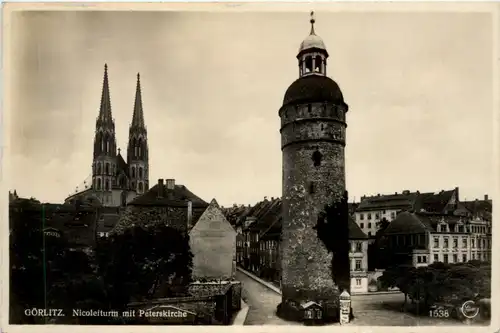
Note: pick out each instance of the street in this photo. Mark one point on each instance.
(262, 302)
(369, 310)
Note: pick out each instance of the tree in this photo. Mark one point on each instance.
(144, 262)
(45, 271)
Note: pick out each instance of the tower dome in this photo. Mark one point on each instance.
(313, 85)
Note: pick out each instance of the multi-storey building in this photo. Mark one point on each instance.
(421, 238)
(371, 210)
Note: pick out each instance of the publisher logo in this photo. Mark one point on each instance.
(470, 309)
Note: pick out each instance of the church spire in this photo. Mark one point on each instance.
(138, 117)
(105, 110)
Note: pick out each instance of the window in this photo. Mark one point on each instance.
(377, 216)
(464, 243)
(419, 259)
(445, 258)
(436, 241)
(107, 185)
(133, 172)
(393, 215)
(358, 282)
(424, 259)
(106, 168)
(455, 243)
(464, 257)
(361, 225)
(473, 243)
(369, 225)
(358, 265)
(99, 183)
(436, 257)
(98, 168)
(473, 256)
(316, 157)
(359, 247)
(438, 228)
(455, 257)
(383, 212)
(369, 216)
(140, 187)
(311, 187)
(446, 242)
(361, 217)
(140, 172)
(369, 233)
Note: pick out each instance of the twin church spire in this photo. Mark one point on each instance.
(109, 170)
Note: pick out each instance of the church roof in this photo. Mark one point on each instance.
(160, 195)
(121, 165)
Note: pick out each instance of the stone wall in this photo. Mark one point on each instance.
(313, 139)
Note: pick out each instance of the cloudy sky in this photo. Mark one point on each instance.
(419, 88)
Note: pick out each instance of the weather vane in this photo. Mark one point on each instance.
(312, 22)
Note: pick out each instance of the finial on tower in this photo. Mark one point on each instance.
(138, 76)
(105, 67)
(312, 23)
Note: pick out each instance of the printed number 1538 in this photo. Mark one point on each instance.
(439, 313)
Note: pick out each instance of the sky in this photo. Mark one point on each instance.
(418, 86)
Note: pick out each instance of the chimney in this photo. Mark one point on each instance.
(189, 214)
(170, 184)
(486, 197)
(160, 188)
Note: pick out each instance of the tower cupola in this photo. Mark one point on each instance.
(312, 54)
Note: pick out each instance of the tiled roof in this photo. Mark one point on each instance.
(177, 197)
(121, 165)
(480, 208)
(408, 223)
(435, 202)
(411, 201)
(355, 231)
(401, 201)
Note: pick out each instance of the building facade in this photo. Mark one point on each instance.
(422, 238)
(116, 182)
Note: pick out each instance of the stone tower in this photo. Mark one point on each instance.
(313, 129)
(137, 150)
(104, 161)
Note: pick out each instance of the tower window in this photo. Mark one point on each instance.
(308, 65)
(107, 146)
(140, 172)
(318, 64)
(99, 184)
(107, 185)
(317, 157)
(133, 172)
(107, 168)
(140, 187)
(98, 168)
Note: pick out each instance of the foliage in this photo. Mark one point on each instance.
(439, 282)
(143, 262)
(379, 256)
(45, 271)
(333, 230)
